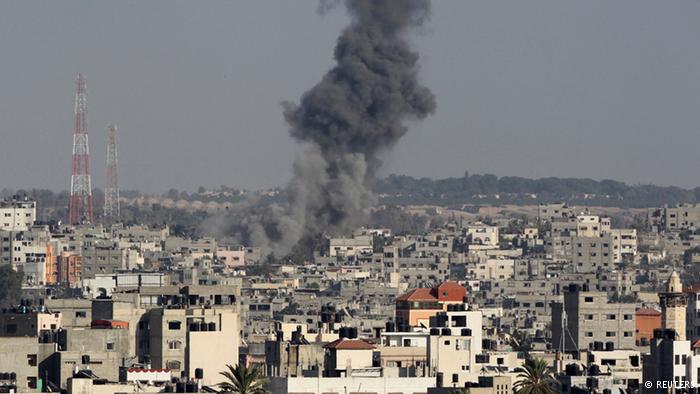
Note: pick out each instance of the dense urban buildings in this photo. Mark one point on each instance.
(464, 303)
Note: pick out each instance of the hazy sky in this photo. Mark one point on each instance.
(595, 88)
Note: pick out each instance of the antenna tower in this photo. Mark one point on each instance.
(80, 209)
(112, 187)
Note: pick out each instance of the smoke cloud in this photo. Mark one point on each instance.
(346, 121)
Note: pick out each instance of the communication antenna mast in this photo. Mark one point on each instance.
(80, 209)
(111, 213)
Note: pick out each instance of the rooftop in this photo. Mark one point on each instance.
(350, 344)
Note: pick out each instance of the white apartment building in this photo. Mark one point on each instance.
(17, 215)
(483, 235)
(454, 343)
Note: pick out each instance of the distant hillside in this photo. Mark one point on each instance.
(490, 189)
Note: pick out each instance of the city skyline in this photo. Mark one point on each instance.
(196, 90)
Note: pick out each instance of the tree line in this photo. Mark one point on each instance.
(487, 188)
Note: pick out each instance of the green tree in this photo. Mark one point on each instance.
(10, 285)
(243, 380)
(535, 377)
(520, 341)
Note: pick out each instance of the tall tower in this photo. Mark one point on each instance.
(80, 210)
(112, 186)
(673, 306)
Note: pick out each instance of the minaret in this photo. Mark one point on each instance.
(673, 305)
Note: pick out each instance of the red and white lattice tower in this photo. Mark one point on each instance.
(112, 186)
(80, 210)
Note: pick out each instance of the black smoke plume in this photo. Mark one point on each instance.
(353, 115)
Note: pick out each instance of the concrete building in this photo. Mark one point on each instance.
(492, 269)
(348, 356)
(482, 235)
(406, 351)
(692, 314)
(416, 307)
(646, 320)
(17, 214)
(75, 312)
(624, 244)
(104, 257)
(183, 340)
(549, 212)
(591, 254)
(231, 258)
(419, 271)
(353, 384)
(70, 268)
(680, 217)
(26, 246)
(454, 344)
(20, 361)
(672, 365)
(350, 247)
(25, 321)
(587, 316)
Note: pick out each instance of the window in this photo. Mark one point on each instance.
(174, 345)
(110, 345)
(612, 317)
(628, 317)
(589, 334)
(174, 325)
(588, 299)
(610, 334)
(79, 314)
(588, 317)
(172, 364)
(31, 360)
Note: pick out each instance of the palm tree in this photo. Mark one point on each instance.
(535, 377)
(243, 380)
